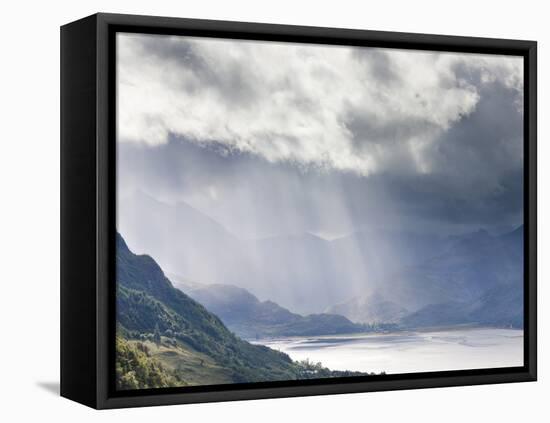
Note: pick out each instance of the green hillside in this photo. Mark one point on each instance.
(168, 339)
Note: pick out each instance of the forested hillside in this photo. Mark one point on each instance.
(165, 338)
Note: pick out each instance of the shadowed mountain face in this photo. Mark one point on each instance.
(502, 306)
(250, 318)
(482, 277)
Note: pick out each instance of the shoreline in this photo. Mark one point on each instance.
(461, 327)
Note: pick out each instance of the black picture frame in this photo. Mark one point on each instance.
(88, 209)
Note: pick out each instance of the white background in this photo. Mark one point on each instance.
(29, 213)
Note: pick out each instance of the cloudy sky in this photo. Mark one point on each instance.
(277, 138)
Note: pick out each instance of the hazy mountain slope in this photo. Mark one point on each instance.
(370, 309)
(483, 280)
(476, 278)
(443, 314)
(332, 272)
(250, 318)
(473, 265)
(300, 272)
(308, 275)
(181, 238)
(382, 251)
(195, 246)
(501, 306)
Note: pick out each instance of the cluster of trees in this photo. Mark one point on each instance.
(309, 370)
(136, 369)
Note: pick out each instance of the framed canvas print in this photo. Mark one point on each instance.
(255, 211)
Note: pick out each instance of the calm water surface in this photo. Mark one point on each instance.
(408, 352)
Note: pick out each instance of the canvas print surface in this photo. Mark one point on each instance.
(298, 211)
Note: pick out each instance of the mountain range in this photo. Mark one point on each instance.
(189, 243)
(251, 318)
(165, 338)
(477, 280)
(366, 276)
(186, 242)
(482, 276)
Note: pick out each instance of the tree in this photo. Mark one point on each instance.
(156, 336)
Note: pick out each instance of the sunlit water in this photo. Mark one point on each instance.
(408, 352)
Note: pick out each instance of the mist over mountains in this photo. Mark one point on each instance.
(367, 276)
(250, 318)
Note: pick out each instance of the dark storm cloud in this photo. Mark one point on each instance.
(487, 142)
(340, 108)
(476, 181)
(476, 167)
(272, 138)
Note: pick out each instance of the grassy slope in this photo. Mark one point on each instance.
(188, 365)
